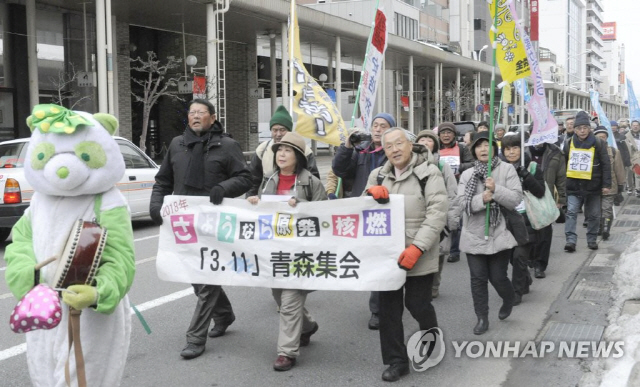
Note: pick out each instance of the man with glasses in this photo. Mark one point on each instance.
(262, 161)
(203, 161)
(588, 178)
(354, 161)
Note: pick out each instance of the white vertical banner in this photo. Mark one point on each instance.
(372, 69)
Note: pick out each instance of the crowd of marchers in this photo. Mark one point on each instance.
(470, 196)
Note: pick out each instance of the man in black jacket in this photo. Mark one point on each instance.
(588, 178)
(355, 162)
(203, 161)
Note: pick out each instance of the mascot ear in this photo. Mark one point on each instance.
(109, 122)
(30, 123)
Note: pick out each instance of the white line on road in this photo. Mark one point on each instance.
(21, 348)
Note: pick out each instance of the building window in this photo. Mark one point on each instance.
(406, 27)
(479, 24)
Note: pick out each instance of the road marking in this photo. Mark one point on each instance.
(22, 348)
(147, 237)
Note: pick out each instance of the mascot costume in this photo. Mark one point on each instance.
(73, 164)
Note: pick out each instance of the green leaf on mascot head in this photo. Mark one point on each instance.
(109, 122)
(50, 118)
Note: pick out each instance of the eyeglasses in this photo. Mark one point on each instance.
(397, 145)
(199, 114)
(582, 127)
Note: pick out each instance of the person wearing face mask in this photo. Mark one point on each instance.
(488, 255)
(261, 165)
(534, 183)
(295, 183)
(354, 161)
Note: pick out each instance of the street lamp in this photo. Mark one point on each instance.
(192, 61)
(480, 52)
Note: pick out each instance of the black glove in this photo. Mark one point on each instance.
(216, 195)
(156, 217)
(332, 196)
(522, 172)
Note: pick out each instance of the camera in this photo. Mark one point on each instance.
(358, 137)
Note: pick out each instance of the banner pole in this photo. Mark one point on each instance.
(491, 109)
(291, 32)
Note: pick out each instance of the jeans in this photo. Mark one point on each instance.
(212, 304)
(455, 242)
(489, 268)
(592, 210)
(416, 295)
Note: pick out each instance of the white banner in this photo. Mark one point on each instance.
(372, 69)
(348, 244)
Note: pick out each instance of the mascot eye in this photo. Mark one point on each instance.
(91, 153)
(41, 155)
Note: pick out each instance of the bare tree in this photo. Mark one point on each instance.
(63, 84)
(463, 97)
(157, 80)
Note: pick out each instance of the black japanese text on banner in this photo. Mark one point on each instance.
(349, 244)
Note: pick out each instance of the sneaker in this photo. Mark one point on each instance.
(191, 351)
(539, 273)
(453, 258)
(570, 247)
(592, 245)
(395, 372)
(305, 338)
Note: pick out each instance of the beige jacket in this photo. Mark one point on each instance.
(425, 214)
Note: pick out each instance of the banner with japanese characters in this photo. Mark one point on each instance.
(317, 116)
(349, 244)
(372, 69)
(510, 52)
(602, 117)
(545, 127)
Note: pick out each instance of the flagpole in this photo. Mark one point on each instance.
(364, 62)
(491, 110)
(524, 84)
(291, 35)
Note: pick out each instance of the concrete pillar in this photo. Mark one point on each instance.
(212, 56)
(398, 88)
(32, 53)
(411, 123)
(6, 52)
(457, 96)
(476, 93)
(284, 68)
(427, 104)
(338, 74)
(274, 68)
(109, 58)
(101, 57)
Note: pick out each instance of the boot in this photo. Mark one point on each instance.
(606, 229)
(482, 326)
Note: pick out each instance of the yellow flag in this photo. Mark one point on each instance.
(318, 118)
(510, 51)
(506, 93)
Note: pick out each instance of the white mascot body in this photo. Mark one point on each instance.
(73, 168)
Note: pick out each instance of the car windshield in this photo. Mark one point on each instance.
(10, 155)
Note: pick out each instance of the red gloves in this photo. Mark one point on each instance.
(409, 257)
(380, 193)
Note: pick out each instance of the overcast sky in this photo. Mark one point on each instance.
(626, 13)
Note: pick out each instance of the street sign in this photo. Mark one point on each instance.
(256, 92)
(452, 104)
(480, 108)
(86, 79)
(185, 87)
(511, 110)
(486, 108)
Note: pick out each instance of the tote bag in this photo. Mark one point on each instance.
(543, 211)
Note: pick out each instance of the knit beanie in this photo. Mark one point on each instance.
(387, 117)
(582, 118)
(281, 117)
(447, 126)
(432, 135)
(601, 129)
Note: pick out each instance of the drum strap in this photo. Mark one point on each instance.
(74, 340)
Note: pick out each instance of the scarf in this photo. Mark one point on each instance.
(588, 142)
(195, 170)
(480, 174)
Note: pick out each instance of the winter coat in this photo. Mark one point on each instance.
(262, 165)
(357, 163)
(554, 167)
(451, 184)
(508, 193)
(308, 188)
(533, 183)
(224, 165)
(618, 175)
(425, 213)
(601, 172)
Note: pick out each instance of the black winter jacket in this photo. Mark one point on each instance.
(601, 174)
(224, 165)
(357, 163)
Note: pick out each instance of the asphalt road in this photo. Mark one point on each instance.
(342, 352)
